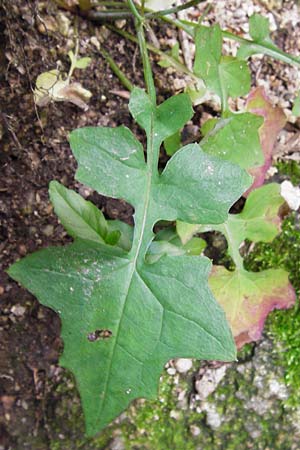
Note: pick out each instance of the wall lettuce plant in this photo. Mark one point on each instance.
(128, 301)
(123, 318)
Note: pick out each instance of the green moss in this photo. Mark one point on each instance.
(160, 424)
(291, 169)
(284, 326)
(66, 420)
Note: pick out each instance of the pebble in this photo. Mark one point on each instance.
(183, 365)
(175, 414)
(291, 194)
(213, 418)
(48, 230)
(18, 310)
(209, 382)
(195, 431)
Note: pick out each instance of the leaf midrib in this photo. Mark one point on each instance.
(136, 255)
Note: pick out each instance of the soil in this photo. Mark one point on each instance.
(34, 151)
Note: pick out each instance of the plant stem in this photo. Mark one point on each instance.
(144, 52)
(260, 48)
(233, 250)
(73, 61)
(138, 17)
(99, 16)
(176, 64)
(103, 16)
(174, 10)
(265, 48)
(111, 4)
(117, 71)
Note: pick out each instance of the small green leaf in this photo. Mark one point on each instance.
(83, 63)
(84, 220)
(79, 217)
(158, 249)
(172, 143)
(186, 231)
(125, 232)
(235, 139)
(174, 53)
(235, 76)
(224, 75)
(262, 43)
(259, 28)
(195, 246)
(80, 63)
(260, 33)
(208, 126)
(296, 106)
(208, 54)
(260, 214)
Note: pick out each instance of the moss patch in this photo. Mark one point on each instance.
(284, 326)
(290, 169)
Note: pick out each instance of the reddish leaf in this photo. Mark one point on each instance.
(248, 297)
(274, 120)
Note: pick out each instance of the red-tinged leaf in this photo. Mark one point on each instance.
(274, 120)
(248, 297)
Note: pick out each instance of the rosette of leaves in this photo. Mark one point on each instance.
(248, 297)
(123, 317)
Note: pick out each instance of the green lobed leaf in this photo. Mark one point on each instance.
(224, 75)
(259, 28)
(123, 318)
(235, 77)
(248, 297)
(258, 221)
(260, 214)
(235, 139)
(262, 43)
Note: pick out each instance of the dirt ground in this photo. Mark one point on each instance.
(35, 37)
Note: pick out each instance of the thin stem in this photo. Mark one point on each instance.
(144, 52)
(100, 16)
(261, 48)
(265, 48)
(233, 250)
(73, 61)
(111, 4)
(174, 10)
(176, 64)
(117, 71)
(135, 12)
